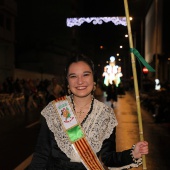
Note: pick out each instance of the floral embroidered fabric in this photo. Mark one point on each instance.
(98, 126)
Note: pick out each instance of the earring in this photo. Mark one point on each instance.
(94, 87)
(69, 91)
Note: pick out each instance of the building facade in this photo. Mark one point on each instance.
(8, 13)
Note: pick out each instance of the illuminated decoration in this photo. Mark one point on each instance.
(96, 20)
(157, 84)
(112, 72)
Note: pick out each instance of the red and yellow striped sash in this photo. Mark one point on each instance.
(76, 135)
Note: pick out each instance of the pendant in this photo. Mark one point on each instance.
(80, 113)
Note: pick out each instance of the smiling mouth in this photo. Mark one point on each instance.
(81, 88)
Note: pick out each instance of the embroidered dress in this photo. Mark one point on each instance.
(54, 150)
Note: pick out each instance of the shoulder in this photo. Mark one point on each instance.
(48, 109)
(105, 112)
(103, 106)
(51, 116)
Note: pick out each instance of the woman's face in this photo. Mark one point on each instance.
(80, 79)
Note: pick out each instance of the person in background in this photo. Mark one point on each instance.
(120, 90)
(112, 94)
(54, 90)
(78, 131)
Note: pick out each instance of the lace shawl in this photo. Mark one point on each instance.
(98, 126)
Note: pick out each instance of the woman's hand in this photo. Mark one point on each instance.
(141, 148)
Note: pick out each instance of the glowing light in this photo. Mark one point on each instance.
(101, 47)
(96, 20)
(145, 70)
(112, 58)
(157, 84)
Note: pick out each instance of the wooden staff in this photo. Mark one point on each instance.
(135, 80)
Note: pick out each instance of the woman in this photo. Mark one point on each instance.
(78, 131)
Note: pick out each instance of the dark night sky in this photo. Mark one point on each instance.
(41, 21)
(41, 25)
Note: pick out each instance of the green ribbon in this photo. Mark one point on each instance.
(75, 133)
(137, 54)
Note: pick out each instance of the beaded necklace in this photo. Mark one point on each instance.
(90, 110)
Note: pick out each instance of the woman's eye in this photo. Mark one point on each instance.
(86, 74)
(72, 76)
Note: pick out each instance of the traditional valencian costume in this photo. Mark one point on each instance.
(73, 146)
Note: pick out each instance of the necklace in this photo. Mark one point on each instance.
(81, 111)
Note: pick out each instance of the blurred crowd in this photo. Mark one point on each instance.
(156, 100)
(24, 95)
(30, 87)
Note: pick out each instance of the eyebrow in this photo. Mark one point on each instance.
(75, 73)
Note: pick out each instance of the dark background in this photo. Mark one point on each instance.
(43, 39)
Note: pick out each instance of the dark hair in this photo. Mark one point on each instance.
(75, 59)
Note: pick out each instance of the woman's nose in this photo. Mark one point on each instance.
(80, 80)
